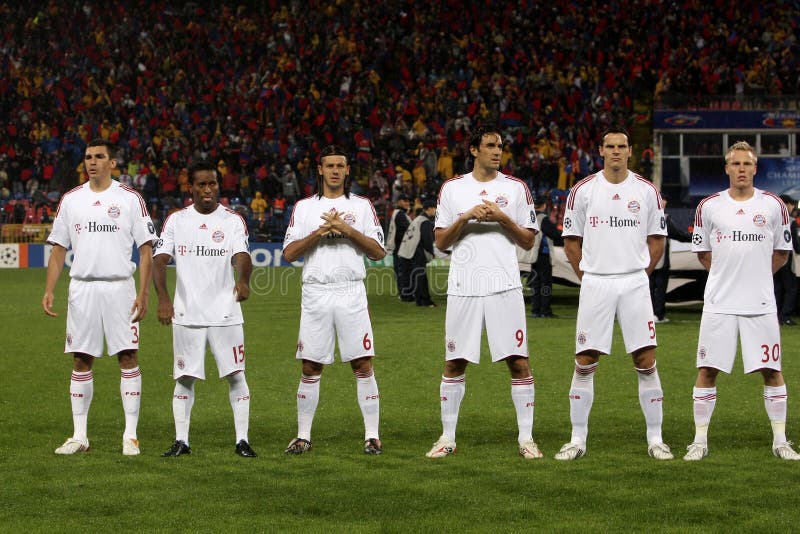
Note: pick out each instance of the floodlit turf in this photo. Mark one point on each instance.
(486, 486)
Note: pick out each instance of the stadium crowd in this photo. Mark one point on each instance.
(260, 87)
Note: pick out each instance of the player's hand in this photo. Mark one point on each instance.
(139, 308)
(493, 212)
(165, 312)
(47, 305)
(242, 291)
(336, 224)
(477, 212)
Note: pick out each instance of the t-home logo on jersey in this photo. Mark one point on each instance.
(613, 222)
(93, 227)
(737, 236)
(200, 251)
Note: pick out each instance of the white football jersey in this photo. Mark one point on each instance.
(102, 229)
(203, 247)
(741, 237)
(614, 221)
(333, 259)
(484, 259)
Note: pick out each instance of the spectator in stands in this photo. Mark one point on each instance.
(259, 207)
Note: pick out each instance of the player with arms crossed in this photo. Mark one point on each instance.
(102, 220)
(333, 230)
(742, 236)
(614, 231)
(482, 215)
(208, 242)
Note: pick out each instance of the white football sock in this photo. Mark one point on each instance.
(369, 402)
(451, 393)
(307, 401)
(775, 404)
(581, 396)
(239, 395)
(81, 390)
(182, 402)
(523, 395)
(130, 389)
(651, 399)
(704, 399)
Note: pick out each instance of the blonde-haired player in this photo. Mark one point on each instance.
(742, 236)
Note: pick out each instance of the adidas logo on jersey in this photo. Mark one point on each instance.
(740, 212)
(483, 193)
(96, 203)
(203, 226)
(615, 197)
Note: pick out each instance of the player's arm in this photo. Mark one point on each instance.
(54, 267)
(243, 265)
(165, 309)
(573, 248)
(655, 244)
(446, 237)
(704, 257)
(296, 249)
(139, 308)
(779, 258)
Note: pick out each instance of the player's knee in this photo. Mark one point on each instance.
(235, 378)
(362, 365)
(453, 368)
(128, 359)
(312, 368)
(589, 357)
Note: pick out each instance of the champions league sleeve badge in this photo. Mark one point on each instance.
(663, 223)
(697, 239)
(567, 222)
(787, 236)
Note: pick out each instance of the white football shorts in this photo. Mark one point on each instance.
(503, 315)
(101, 308)
(601, 299)
(760, 337)
(334, 311)
(189, 349)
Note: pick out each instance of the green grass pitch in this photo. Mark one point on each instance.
(486, 486)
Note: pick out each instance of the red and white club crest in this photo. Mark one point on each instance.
(451, 345)
(633, 206)
(581, 338)
(181, 364)
(759, 220)
(349, 218)
(113, 211)
(217, 236)
(501, 201)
